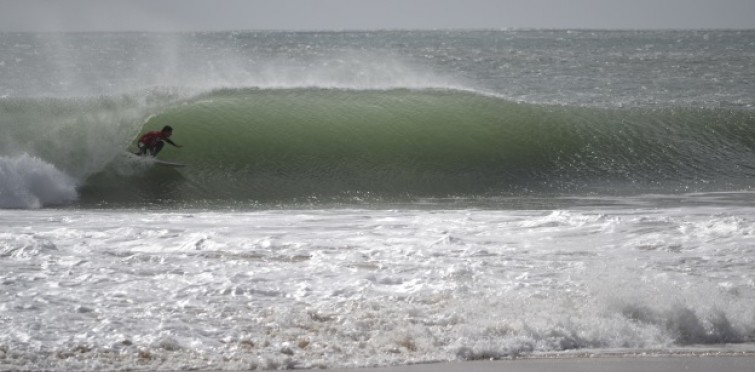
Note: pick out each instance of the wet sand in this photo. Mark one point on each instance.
(604, 364)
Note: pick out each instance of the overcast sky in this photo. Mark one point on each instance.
(211, 15)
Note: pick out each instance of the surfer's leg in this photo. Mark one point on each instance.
(156, 149)
(142, 149)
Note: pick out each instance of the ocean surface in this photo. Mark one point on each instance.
(362, 199)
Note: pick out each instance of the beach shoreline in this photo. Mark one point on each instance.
(730, 362)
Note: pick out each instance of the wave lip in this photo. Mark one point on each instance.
(27, 182)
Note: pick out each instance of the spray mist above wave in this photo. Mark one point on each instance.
(350, 71)
(593, 69)
(87, 65)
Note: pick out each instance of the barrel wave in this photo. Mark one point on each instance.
(325, 144)
(317, 145)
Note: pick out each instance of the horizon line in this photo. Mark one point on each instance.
(346, 30)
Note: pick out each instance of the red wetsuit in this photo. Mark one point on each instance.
(150, 139)
(152, 142)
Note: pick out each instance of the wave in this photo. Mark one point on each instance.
(313, 144)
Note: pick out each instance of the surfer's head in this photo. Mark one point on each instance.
(167, 130)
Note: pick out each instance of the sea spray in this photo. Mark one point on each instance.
(29, 182)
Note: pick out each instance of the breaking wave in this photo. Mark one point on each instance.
(312, 143)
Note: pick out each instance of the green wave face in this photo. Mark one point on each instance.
(296, 144)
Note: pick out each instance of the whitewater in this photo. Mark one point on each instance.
(358, 199)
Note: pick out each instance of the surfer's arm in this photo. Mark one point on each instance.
(171, 142)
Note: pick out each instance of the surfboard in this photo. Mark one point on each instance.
(168, 163)
(155, 161)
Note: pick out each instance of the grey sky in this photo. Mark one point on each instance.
(192, 15)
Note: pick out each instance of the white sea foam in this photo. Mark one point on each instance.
(29, 182)
(333, 288)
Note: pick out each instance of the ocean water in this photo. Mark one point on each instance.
(374, 198)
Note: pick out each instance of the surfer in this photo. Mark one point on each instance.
(154, 141)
